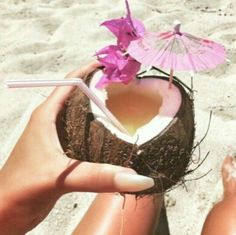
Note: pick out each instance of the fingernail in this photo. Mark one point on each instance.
(131, 182)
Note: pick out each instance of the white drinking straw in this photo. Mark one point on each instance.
(70, 82)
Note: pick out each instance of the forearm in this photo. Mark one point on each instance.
(13, 220)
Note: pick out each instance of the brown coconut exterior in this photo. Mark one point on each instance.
(165, 158)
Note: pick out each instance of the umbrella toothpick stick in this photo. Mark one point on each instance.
(171, 78)
(71, 82)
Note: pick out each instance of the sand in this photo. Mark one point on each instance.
(47, 39)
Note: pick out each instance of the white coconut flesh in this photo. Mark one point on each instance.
(144, 107)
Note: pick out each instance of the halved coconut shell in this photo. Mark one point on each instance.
(164, 157)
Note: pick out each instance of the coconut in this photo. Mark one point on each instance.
(159, 120)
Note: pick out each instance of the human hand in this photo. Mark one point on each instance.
(38, 172)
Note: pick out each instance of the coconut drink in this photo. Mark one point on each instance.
(159, 121)
(157, 118)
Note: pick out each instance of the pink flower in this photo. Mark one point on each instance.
(118, 67)
(124, 32)
(125, 29)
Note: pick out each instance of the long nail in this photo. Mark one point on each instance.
(131, 182)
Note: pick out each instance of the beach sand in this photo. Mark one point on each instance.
(47, 39)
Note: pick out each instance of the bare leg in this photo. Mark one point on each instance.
(109, 214)
(222, 218)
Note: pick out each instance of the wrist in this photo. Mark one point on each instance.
(8, 215)
(21, 205)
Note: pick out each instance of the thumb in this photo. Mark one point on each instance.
(96, 177)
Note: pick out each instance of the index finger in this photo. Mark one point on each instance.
(55, 102)
(83, 72)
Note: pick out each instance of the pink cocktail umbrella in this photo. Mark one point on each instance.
(176, 50)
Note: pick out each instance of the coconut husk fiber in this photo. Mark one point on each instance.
(165, 158)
